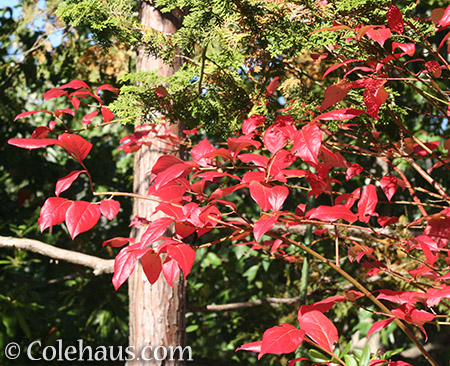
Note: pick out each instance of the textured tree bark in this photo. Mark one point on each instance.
(157, 312)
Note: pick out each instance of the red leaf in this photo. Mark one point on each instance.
(252, 123)
(387, 220)
(170, 270)
(408, 48)
(60, 112)
(429, 247)
(155, 230)
(184, 255)
(353, 171)
(125, 262)
(434, 67)
(263, 225)
(397, 363)
(172, 191)
(75, 145)
(323, 306)
(273, 85)
(211, 214)
(108, 88)
(358, 252)
(117, 242)
(353, 295)
(307, 143)
(339, 114)
(350, 198)
(374, 96)
(75, 102)
(52, 125)
(81, 216)
(183, 230)
(280, 161)
(446, 38)
(211, 175)
(300, 209)
(445, 20)
(54, 93)
(282, 339)
(152, 266)
(84, 93)
(438, 230)
(87, 119)
(64, 184)
(401, 297)
(221, 192)
(423, 271)
(334, 94)
(32, 143)
(75, 84)
(223, 153)
(333, 28)
(319, 328)
(367, 203)
(411, 315)
(139, 222)
(251, 176)
(165, 162)
(389, 185)
(260, 192)
(109, 208)
(295, 360)
(40, 132)
(253, 347)
(435, 295)
(381, 324)
(170, 210)
(395, 19)
(176, 171)
(53, 212)
(277, 196)
(200, 150)
(236, 145)
(447, 145)
(334, 67)
(274, 138)
(25, 114)
(380, 34)
(331, 213)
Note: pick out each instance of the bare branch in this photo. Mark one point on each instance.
(246, 304)
(99, 265)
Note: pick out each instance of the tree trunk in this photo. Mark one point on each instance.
(157, 312)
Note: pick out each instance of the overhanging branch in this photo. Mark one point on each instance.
(99, 265)
(246, 304)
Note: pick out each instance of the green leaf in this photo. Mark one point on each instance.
(365, 357)
(316, 356)
(23, 324)
(350, 360)
(192, 328)
(346, 349)
(358, 353)
(251, 272)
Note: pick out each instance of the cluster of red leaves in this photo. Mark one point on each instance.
(376, 70)
(186, 190)
(192, 194)
(79, 216)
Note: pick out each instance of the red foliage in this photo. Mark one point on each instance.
(262, 162)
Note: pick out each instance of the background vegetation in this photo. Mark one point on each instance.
(231, 51)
